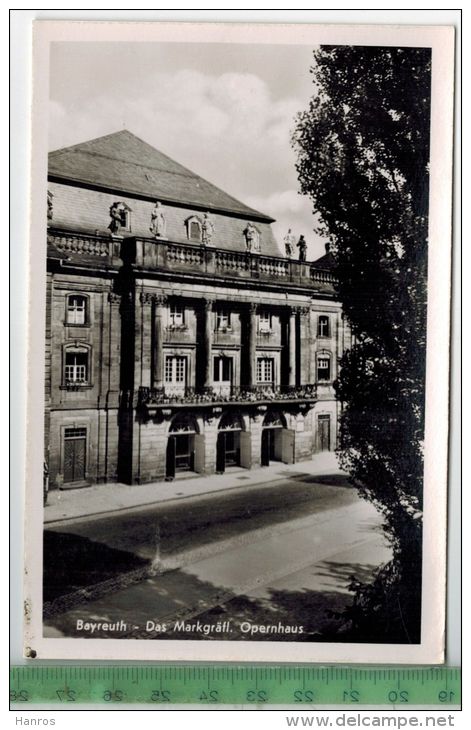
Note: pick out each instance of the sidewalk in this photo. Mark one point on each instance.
(101, 499)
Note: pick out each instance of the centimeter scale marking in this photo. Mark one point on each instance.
(226, 684)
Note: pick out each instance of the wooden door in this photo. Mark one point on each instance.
(323, 433)
(75, 444)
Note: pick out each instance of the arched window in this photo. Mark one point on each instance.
(76, 365)
(194, 228)
(231, 422)
(274, 419)
(76, 310)
(184, 423)
(125, 213)
(324, 367)
(120, 214)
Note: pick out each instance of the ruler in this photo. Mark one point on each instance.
(229, 684)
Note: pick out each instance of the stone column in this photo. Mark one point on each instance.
(144, 326)
(253, 345)
(303, 344)
(208, 342)
(114, 344)
(158, 359)
(292, 346)
(246, 459)
(255, 433)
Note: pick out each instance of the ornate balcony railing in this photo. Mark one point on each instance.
(85, 245)
(231, 260)
(187, 255)
(152, 253)
(210, 396)
(322, 275)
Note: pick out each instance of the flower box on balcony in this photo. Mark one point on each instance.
(177, 328)
(76, 384)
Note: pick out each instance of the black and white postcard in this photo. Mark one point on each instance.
(240, 251)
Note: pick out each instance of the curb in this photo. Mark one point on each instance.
(147, 505)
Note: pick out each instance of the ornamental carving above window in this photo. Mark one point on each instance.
(120, 214)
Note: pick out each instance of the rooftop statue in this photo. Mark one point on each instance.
(157, 221)
(289, 241)
(302, 246)
(116, 219)
(207, 229)
(252, 237)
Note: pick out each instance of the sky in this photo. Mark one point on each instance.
(225, 111)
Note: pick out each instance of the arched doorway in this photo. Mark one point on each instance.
(181, 445)
(272, 435)
(228, 443)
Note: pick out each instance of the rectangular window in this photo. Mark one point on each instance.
(175, 369)
(222, 370)
(76, 367)
(223, 320)
(323, 326)
(323, 367)
(75, 433)
(265, 370)
(177, 315)
(264, 322)
(76, 309)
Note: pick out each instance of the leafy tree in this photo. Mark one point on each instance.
(363, 158)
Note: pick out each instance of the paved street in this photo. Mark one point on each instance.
(174, 534)
(284, 550)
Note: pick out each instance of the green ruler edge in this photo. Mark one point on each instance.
(231, 684)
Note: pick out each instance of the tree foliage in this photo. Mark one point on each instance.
(363, 158)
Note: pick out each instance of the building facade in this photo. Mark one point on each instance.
(179, 337)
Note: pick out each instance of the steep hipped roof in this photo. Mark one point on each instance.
(121, 161)
(326, 261)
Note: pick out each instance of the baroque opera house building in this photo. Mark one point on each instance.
(180, 338)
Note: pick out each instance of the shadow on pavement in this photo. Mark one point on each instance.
(344, 572)
(332, 480)
(72, 562)
(318, 612)
(180, 596)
